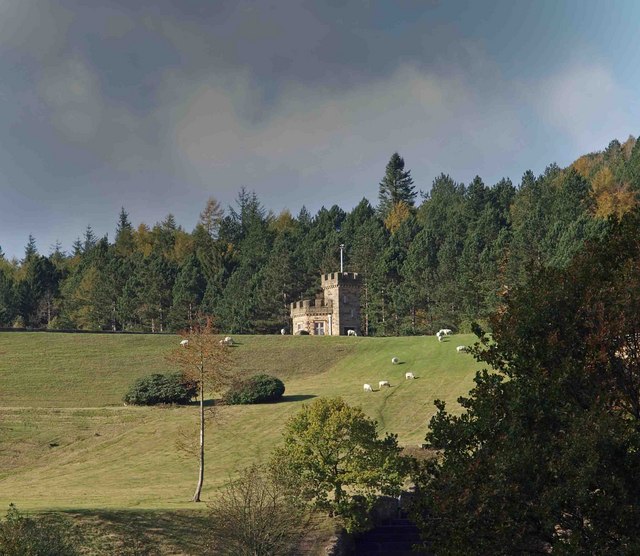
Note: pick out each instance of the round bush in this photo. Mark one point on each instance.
(257, 389)
(158, 388)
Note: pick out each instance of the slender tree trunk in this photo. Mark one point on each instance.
(366, 308)
(196, 496)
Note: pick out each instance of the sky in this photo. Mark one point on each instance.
(157, 105)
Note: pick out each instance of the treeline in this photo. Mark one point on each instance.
(443, 261)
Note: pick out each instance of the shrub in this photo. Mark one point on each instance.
(158, 388)
(24, 536)
(257, 389)
(253, 516)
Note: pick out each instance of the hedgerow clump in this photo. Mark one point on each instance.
(160, 389)
(257, 389)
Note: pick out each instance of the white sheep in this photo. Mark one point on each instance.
(283, 331)
(409, 376)
(367, 388)
(184, 343)
(351, 333)
(228, 340)
(439, 336)
(461, 349)
(384, 383)
(395, 360)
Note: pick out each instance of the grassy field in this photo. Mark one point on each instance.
(68, 443)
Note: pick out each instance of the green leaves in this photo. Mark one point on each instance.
(332, 457)
(544, 456)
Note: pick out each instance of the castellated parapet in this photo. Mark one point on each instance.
(336, 313)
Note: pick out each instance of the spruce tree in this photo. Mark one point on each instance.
(124, 234)
(396, 186)
(30, 250)
(90, 240)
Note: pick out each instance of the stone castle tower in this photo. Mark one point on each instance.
(333, 314)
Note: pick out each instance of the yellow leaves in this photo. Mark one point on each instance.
(611, 197)
(397, 215)
(282, 223)
(142, 239)
(183, 247)
(585, 165)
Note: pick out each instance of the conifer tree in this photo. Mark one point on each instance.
(124, 234)
(396, 186)
(90, 240)
(30, 250)
(211, 217)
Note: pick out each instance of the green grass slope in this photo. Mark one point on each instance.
(67, 442)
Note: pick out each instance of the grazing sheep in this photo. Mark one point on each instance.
(367, 388)
(395, 360)
(409, 376)
(384, 383)
(461, 349)
(351, 333)
(283, 331)
(439, 336)
(184, 343)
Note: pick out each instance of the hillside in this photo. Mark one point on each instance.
(69, 443)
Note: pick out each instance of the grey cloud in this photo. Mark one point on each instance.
(71, 94)
(586, 103)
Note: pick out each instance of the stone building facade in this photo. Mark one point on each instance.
(334, 312)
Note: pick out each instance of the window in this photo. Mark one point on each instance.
(318, 328)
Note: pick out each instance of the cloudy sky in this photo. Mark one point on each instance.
(155, 105)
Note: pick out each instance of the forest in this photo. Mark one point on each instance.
(444, 257)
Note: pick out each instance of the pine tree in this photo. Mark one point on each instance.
(396, 186)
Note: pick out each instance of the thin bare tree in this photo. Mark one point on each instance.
(205, 359)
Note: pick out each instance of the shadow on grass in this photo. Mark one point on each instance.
(207, 403)
(150, 532)
(298, 398)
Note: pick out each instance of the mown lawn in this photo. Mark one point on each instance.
(67, 442)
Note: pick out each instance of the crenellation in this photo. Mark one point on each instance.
(335, 311)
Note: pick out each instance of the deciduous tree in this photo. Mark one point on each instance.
(253, 516)
(206, 360)
(544, 457)
(333, 458)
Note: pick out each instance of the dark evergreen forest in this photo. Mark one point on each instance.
(428, 260)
